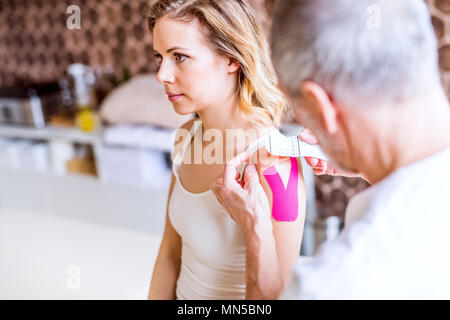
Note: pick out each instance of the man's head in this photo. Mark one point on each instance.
(342, 61)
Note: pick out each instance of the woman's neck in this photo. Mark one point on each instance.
(223, 118)
(236, 130)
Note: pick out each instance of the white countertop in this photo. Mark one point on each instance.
(49, 132)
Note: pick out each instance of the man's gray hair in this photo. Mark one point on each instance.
(359, 51)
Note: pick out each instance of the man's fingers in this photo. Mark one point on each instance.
(307, 136)
(250, 175)
(236, 161)
(218, 181)
(320, 166)
(216, 186)
(317, 163)
(319, 172)
(230, 171)
(313, 162)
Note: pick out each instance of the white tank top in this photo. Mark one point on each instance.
(213, 247)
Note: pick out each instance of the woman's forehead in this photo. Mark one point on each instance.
(169, 33)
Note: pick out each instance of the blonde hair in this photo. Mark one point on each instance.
(232, 30)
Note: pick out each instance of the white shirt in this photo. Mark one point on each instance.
(395, 243)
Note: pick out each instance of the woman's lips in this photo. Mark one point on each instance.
(175, 97)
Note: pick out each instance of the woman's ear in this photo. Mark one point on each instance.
(233, 65)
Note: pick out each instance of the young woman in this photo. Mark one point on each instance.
(214, 61)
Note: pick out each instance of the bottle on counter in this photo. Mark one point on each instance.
(87, 118)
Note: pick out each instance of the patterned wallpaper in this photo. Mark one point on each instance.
(440, 11)
(37, 45)
(112, 33)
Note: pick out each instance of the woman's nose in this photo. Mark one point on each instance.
(165, 74)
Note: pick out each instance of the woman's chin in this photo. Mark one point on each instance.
(183, 111)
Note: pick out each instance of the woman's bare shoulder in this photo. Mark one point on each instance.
(267, 161)
(188, 124)
(183, 131)
(270, 167)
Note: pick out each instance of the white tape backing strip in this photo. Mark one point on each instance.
(278, 144)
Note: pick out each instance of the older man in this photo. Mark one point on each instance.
(363, 76)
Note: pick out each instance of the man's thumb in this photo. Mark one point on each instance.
(250, 175)
(307, 136)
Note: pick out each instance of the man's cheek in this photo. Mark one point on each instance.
(285, 200)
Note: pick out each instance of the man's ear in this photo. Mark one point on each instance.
(321, 105)
(233, 65)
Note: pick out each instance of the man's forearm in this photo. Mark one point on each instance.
(263, 274)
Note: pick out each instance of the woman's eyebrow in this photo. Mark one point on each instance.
(173, 48)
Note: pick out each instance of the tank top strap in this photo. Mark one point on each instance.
(177, 159)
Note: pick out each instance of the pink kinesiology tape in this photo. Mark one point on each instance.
(285, 200)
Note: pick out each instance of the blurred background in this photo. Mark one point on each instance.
(85, 143)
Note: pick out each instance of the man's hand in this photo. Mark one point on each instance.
(246, 202)
(320, 166)
(248, 206)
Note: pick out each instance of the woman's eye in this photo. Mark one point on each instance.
(179, 57)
